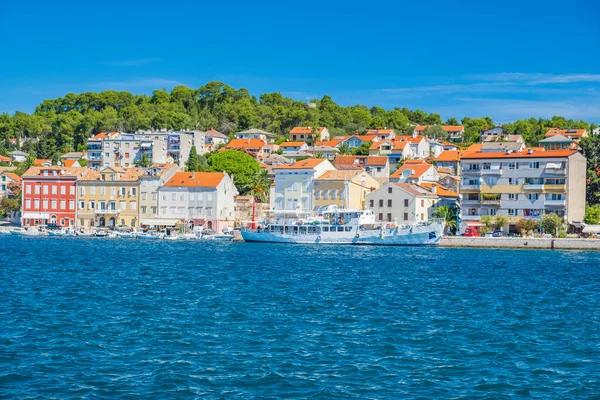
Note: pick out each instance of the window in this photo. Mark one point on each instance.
(317, 194)
(341, 194)
(371, 203)
(103, 191)
(134, 191)
(71, 204)
(333, 194)
(126, 155)
(181, 197)
(154, 209)
(378, 169)
(81, 205)
(155, 196)
(133, 206)
(513, 165)
(145, 194)
(37, 189)
(534, 165)
(325, 194)
(54, 207)
(45, 204)
(54, 189)
(389, 217)
(123, 191)
(28, 189)
(381, 216)
(28, 203)
(406, 216)
(92, 205)
(513, 181)
(390, 190)
(389, 202)
(122, 205)
(36, 204)
(93, 190)
(493, 211)
(380, 202)
(45, 189)
(511, 212)
(533, 196)
(144, 208)
(72, 190)
(512, 196)
(405, 202)
(62, 221)
(422, 203)
(63, 204)
(63, 190)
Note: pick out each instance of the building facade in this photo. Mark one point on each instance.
(151, 179)
(402, 203)
(524, 184)
(345, 189)
(49, 196)
(108, 198)
(198, 199)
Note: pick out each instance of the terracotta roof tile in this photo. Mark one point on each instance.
(195, 179)
(536, 153)
(5, 159)
(565, 132)
(441, 191)
(419, 169)
(292, 144)
(309, 163)
(339, 175)
(245, 144)
(448, 156)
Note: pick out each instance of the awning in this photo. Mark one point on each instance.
(159, 221)
(591, 229)
(552, 165)
(475, 224)
(36, 215)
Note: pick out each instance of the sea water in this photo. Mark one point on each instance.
(112, 318)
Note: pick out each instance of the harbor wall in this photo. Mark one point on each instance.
(520, 243)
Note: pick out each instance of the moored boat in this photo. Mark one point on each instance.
(340, 226)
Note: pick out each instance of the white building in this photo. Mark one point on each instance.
(254, 133)
(198, 198)
(294, 184)
(402, 203)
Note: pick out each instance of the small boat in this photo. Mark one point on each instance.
(33, 231)
(84, 234)
(4, 232)
(150, 235)
(62, 232)
(126, 235)
(209, 234)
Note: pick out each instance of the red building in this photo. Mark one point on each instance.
(49, 196)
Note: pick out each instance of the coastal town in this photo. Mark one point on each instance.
(142, 181)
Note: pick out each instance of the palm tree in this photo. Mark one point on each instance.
(448, 214)
(143, 162)
(344, 149)
(260, 186)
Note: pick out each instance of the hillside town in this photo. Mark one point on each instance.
(144, 179)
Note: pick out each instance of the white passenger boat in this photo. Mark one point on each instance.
(225, 236)
(62, 232)
(339, 226)
(150, 235)
(32, 231)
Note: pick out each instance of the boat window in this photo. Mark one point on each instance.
(340, 229)
(348, 228)
(303, 230)
(325, 229)
(312, 229)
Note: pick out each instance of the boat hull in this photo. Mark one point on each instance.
(422, 236)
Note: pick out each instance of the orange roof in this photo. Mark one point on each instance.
(475, 147)
(195, 179)
(518, 154)
(42, 161)
(12, 176)
(5, 159)
(69, 163)
(245, 144)
(366, 138)
(379, 131)
(565, 132)
(125, 175)
(335, 175)
(448, 155)
(344, 162)
(445, 143)
(292, 144)
(419, 169)
(440, 190)
(443, 170)
(37, 171)
(305, 129)
(447, 128)
(309, 163)
(408, 139)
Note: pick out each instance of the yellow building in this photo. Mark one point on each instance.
(346, 189)
(108, 198)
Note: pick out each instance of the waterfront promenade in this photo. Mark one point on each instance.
(520, 243)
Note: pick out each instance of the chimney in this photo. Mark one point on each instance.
(414, 135)
(434, 188)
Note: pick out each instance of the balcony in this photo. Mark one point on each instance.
(471, 172)
(470, 187)
(470, 202)
(555, 203)
(492, 171)
(94, 157)
(106, 211)
(556, 188)
(494, 202)
(471, 217)
(533, 187)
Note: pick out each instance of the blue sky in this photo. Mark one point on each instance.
(506, 59)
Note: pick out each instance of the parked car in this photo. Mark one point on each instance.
(497, 234)
(489, 234)
(472, 232)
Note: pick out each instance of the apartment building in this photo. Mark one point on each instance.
(525, 184)
(151, 179)
(199, 199)
(254, 133)
(118, 149)
(294, 184)
(49, 196)
(402, 203)
(306, 133)
(345, 189)
(108, 198)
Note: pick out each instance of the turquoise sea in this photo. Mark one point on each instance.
(109, 318)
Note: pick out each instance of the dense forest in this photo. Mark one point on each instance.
(64, 124)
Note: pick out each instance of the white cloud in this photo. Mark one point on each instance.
(536, 79)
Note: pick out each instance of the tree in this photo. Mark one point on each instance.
(436, 132)
(526, 226)
(499, 222)
(550, 223)
(592, 214)
(143, 162)
(344, 149)
(488, 222)
(363, 149)
(193, 162)
(259, 186)
(239, 165)
(591, 149)
(449, 215)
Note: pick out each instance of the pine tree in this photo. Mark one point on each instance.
(193, 163)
